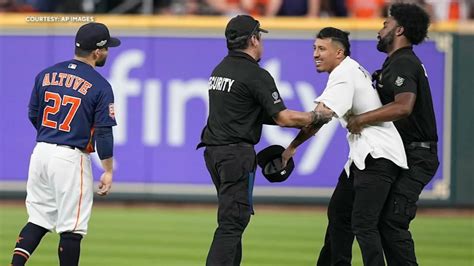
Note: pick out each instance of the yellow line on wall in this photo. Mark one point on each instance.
(20, 21)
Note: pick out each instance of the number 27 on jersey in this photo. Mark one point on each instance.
(59, 102)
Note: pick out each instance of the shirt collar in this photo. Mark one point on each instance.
(79, 62)
(346, 60)
(343, 62)
(402, 50)
(241, 54)
(398, 52)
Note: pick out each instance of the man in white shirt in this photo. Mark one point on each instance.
(376, 155)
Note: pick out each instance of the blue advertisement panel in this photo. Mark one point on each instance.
(160, 86)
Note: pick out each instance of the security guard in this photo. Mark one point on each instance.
(405, 92)
(242, 97)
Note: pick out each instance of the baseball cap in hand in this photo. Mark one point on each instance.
(269, 159)
(93, 36)
(242, 26)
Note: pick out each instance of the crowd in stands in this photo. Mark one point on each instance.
(440, 10)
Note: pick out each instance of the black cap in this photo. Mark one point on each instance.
(269, 159)
(242, 26)
(93, 36)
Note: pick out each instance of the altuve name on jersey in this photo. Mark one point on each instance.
(220, 83)
(67, 80)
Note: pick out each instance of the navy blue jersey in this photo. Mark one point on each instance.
(69, 100)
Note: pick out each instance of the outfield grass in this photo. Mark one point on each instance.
(181, 236)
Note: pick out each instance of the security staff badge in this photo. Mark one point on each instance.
(399, 81)
(276, 97)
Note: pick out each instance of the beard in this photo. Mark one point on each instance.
(385, 42)
(101, 63)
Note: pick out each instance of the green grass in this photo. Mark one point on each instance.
(181, 236)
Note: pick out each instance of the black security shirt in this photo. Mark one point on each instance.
(404, 72)
(242, 96)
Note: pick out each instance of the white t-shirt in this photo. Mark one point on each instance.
(349, 90)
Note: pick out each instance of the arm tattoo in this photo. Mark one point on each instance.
(320, 118)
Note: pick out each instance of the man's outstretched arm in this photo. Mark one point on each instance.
(290, 118)
(400, 108)
(307, 132)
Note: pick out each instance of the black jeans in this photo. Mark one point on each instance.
(354, 210)
(232, 169)
(401, 207)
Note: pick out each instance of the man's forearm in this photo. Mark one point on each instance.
(104, 142)
(321, 117)
(33, 117)
(108, 164)
(290, 118)
(386, 113)
(304, 134)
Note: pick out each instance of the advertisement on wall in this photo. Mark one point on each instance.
(161, 94)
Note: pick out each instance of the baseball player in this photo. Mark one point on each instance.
(376, 154)
(72, 108)
(242, 97)
(404, 89)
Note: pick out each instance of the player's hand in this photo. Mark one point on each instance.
(105, 183)
(354, 124)
(287, 154)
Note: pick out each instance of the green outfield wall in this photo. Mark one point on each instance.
(462, 145)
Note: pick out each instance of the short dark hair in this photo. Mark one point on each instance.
(336, 35)
(81, 52)
(413, 18)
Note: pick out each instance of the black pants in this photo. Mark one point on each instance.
(232, 169)
(354, 210)
(399, 210)
(401, 207)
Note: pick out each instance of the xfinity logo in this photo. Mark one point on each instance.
(166, 119)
